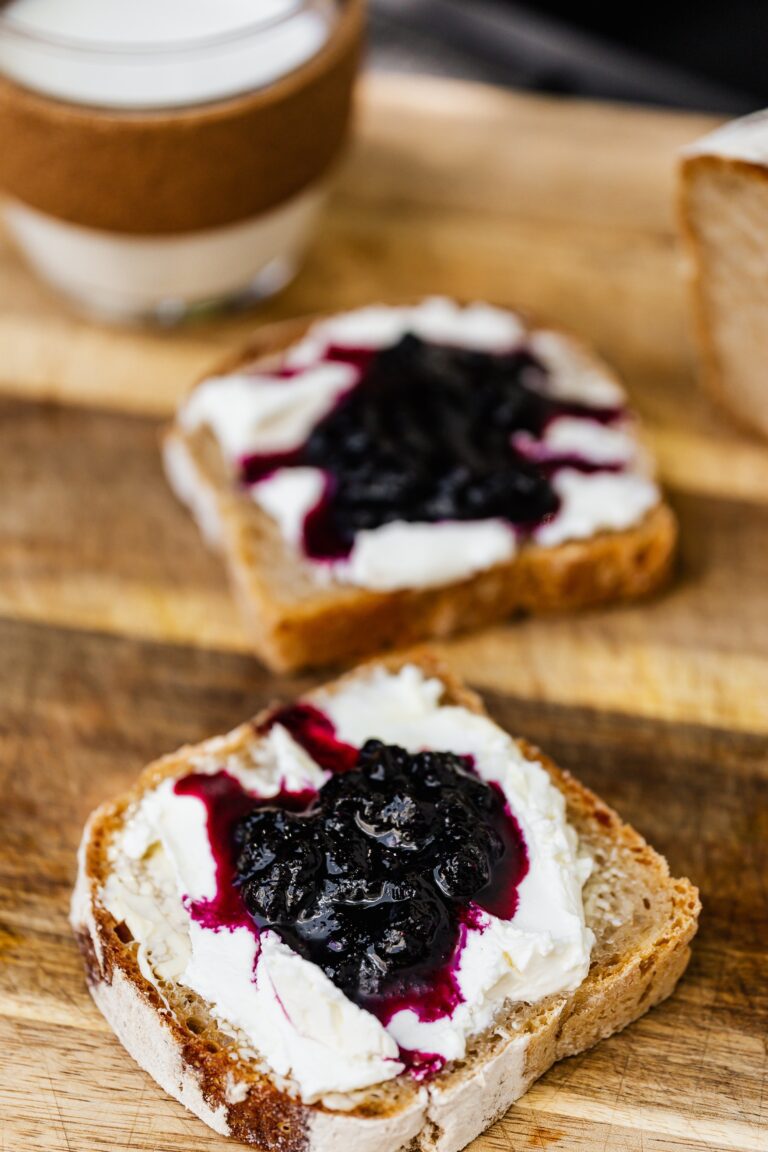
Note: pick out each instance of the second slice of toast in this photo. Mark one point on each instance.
(297, 617)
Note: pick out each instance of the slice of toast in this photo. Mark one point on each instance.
(723, 213)
(295, 620)
(642, 920)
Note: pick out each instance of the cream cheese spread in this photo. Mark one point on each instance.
(259, 413)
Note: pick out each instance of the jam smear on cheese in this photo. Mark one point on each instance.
(426, 435)
(377, 877)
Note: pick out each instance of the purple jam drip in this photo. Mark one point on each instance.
(322, 540)
(314, 731)
(359, 358)
(604, 414)
(226, 802)
(576, 463)
(258, 467)
(440, 998)
(500, 895)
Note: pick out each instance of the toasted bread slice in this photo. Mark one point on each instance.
(295, 620)
(642, 919)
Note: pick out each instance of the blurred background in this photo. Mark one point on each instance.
(697, 54)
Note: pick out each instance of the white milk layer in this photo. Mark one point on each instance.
(256, 413)
(120, 276)
(281, 1005)
(157, 53)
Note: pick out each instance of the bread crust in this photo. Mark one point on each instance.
(710, 369)
(295, 623)
(745, 407)
(629, 974)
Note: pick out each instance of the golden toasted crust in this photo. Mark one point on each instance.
(294, 622)
(641, 950)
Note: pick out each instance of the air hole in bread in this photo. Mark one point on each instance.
(123, 933)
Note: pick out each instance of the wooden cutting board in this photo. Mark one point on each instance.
(118, 640)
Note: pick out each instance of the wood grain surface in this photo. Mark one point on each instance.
(118, 640)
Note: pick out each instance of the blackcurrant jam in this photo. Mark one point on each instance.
(426, 436)
(372, 882)
(377, 878)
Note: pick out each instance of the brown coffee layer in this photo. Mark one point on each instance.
(186, 169)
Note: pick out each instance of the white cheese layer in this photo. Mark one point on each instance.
(399, 555)
(284, 1008)
(571, 437)
(596, 502)
(410, 555)
(261, 414)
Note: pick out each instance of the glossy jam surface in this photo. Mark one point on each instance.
(227, 803)
(425, 436)
(372, 881)
(377, 878)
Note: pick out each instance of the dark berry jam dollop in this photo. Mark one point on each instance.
(425, 436)
(373, 881)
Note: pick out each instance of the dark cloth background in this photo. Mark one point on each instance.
(699, 54)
